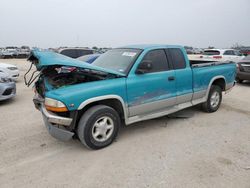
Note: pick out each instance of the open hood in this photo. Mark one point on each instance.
(43, 59)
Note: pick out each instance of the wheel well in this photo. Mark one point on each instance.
(221, 83)
(113, 103)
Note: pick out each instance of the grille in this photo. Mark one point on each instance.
(7, 92)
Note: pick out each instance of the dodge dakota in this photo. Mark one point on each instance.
(123, 86)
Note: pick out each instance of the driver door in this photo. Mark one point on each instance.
(154, 90)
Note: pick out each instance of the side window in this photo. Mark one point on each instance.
(234, 52)
(158, 59)
(177, 58)
(228, 52)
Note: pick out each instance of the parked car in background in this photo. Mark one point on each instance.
(75, 52)
(123, 86)
(89, 58)
(218, 55)
(7, 87)
(1, 52)
(23, 52)
(243, 69)
(191, 50)
(9, 52)
(10, 70)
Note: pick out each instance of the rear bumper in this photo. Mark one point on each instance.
(56, 125)
(243, 75)
(7, 90)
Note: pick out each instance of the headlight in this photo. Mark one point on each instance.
(4, 80)
(54, 105)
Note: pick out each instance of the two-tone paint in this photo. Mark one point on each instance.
(141, 96)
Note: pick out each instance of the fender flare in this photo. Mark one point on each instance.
(211, 82)
(104, 97)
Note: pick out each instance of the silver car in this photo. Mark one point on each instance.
(7, 87)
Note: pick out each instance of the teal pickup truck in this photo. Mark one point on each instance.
(123, 86)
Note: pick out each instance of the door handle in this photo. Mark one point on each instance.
(171, 78)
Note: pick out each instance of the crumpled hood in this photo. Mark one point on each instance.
(48, 58)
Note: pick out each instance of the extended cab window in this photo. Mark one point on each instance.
(158, 59)
(177, 58)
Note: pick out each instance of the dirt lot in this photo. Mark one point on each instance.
(203, 150)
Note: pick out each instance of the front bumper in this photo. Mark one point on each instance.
(56, 131)
(56, 125)
(7, 90)
(55, 119)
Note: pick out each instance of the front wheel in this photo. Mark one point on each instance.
(214, 99)
(98, 127)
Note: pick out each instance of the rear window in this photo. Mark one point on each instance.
(211, 52)
(75, 53)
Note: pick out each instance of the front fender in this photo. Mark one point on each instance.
(75, 97)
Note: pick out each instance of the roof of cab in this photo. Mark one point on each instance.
(146, 46)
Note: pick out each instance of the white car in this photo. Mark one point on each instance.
(11, 70)
(218, 55)
(7, 87)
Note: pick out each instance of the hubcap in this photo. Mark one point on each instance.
(103, 129)
(215, 99)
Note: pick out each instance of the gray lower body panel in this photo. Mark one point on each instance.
(152, 106)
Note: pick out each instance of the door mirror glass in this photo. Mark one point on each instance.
(144, 67)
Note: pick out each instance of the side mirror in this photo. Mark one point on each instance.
(144, 67)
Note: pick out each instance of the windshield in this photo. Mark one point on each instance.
(86, 57)
(211, 52)
(118, 59)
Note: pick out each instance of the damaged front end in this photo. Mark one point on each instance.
(54, 71)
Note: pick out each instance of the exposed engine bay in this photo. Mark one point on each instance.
(54, 77)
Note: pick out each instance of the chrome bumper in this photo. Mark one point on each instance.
(52, 118)
(53, 122)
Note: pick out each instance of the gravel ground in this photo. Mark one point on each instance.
(189, 149)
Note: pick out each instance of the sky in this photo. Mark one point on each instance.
(114, 23)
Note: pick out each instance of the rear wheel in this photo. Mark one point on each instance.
(98, 127)
(214, 99)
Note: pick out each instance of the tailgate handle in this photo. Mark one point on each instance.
(171, 78)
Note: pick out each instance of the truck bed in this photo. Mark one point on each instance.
(203, 73)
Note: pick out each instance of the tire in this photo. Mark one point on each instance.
(214, 99)
(97, 122)
(239, 80)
